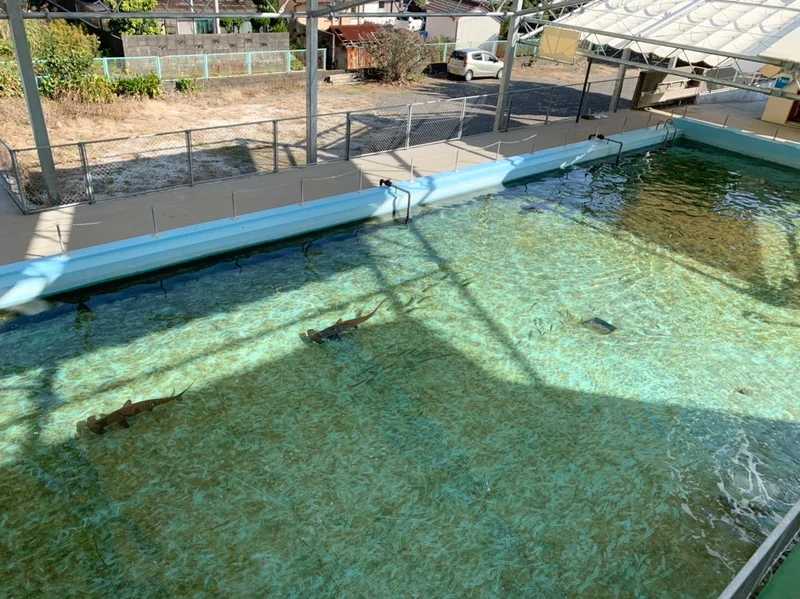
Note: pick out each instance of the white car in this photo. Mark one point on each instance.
(470, 63)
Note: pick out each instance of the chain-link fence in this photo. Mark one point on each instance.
(105, 169)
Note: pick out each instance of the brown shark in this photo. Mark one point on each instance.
(99, 425)
(333, 331)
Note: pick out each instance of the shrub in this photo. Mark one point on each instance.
(297, 65)
(399, 55)
(231, 25)
(10, 83)
(142, 86)
(185, 85)
(134, 26)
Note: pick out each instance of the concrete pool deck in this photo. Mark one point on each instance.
(34, 236)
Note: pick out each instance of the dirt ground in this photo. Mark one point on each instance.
(70, 122)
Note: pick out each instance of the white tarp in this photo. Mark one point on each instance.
(741, 28)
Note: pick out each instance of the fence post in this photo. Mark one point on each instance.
(508, 115)
(233, 204)
(21, 188)
(347, 137)
(155, 224)
(275, 146)
(158, 66)
(106, 71)
(461, 120)
(189, 154)
(456, 166)
(585, 92)
(60, 240)
(87, 176)
(249, 63)
(360, 180)
(206, 73)
(288, 61)
(302, 192)
(549, 106)
(408, 126)
(411, 171)
(324, 59)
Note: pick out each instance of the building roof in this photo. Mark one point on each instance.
(350, 35)
(740, 28)
(440, 6)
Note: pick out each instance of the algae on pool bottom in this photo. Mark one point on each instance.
(471, 439)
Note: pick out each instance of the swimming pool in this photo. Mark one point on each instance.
(471, 439)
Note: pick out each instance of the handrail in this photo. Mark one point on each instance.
(304, 179)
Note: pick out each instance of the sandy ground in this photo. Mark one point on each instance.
(68, 122)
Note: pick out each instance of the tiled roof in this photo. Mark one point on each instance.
(439, 6)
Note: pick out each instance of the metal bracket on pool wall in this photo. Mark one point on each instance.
(388, 183)
(616, 141)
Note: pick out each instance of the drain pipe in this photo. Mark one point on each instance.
(388, 183)
(608, 139)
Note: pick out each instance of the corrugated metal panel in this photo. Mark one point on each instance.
(740, 28)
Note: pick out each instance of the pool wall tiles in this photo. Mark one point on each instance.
(741, 142)
(27, 280)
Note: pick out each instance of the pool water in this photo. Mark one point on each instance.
(472, 439)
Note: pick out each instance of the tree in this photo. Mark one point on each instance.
(135, 26)
(400, 55)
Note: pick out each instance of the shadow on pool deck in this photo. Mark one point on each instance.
(388, 463)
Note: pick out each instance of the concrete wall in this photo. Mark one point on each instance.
(441, 27)
(734, 140)
(171, 45)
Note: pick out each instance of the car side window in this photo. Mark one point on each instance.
(491, 58)
(477, 56)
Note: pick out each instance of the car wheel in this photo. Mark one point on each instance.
(499, 74)
(468, 76)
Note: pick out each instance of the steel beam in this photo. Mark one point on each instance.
(615, 96)
(508, 66)
(312, 35)
(198, 16)
(31, 91)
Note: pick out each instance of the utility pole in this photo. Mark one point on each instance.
(311, 83)
(31, 90)
(508, 66)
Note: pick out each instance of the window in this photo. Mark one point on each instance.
(381, 5)
(477, 56)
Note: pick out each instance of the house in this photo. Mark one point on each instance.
(388, 7)
(464, 30)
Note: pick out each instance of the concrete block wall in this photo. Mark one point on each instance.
(226, 43)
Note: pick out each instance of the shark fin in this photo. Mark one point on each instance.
(339, 321)
(127, 403)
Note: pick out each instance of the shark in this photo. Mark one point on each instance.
(128, 409)
(335, 330)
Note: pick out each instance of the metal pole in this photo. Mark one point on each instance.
(233, 204)
(777, 130)
(189, 154)
(20, 186)
(533, 148)
(685, 110)
(87, 176)
(597, 131)
(725, 124)
(549, 105)
(456, 168)
(583, 93)
(31, 90)
(566, 139)
(347, 138)
(155, 224)
(508, 65)
(411, 170)
(311, 83)
(60, 240)
(360, 180)
(624, 125)
(508, 114)
(461, 120)
(497, 152)
(649, 117)
(617, 93)
(275, 146)
(408, 126)
(302, 192)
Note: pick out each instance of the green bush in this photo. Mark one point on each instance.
(231, 25)
(142, 86)
(134, 26)
(10, 83)
(297, 65)
(185, 85)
